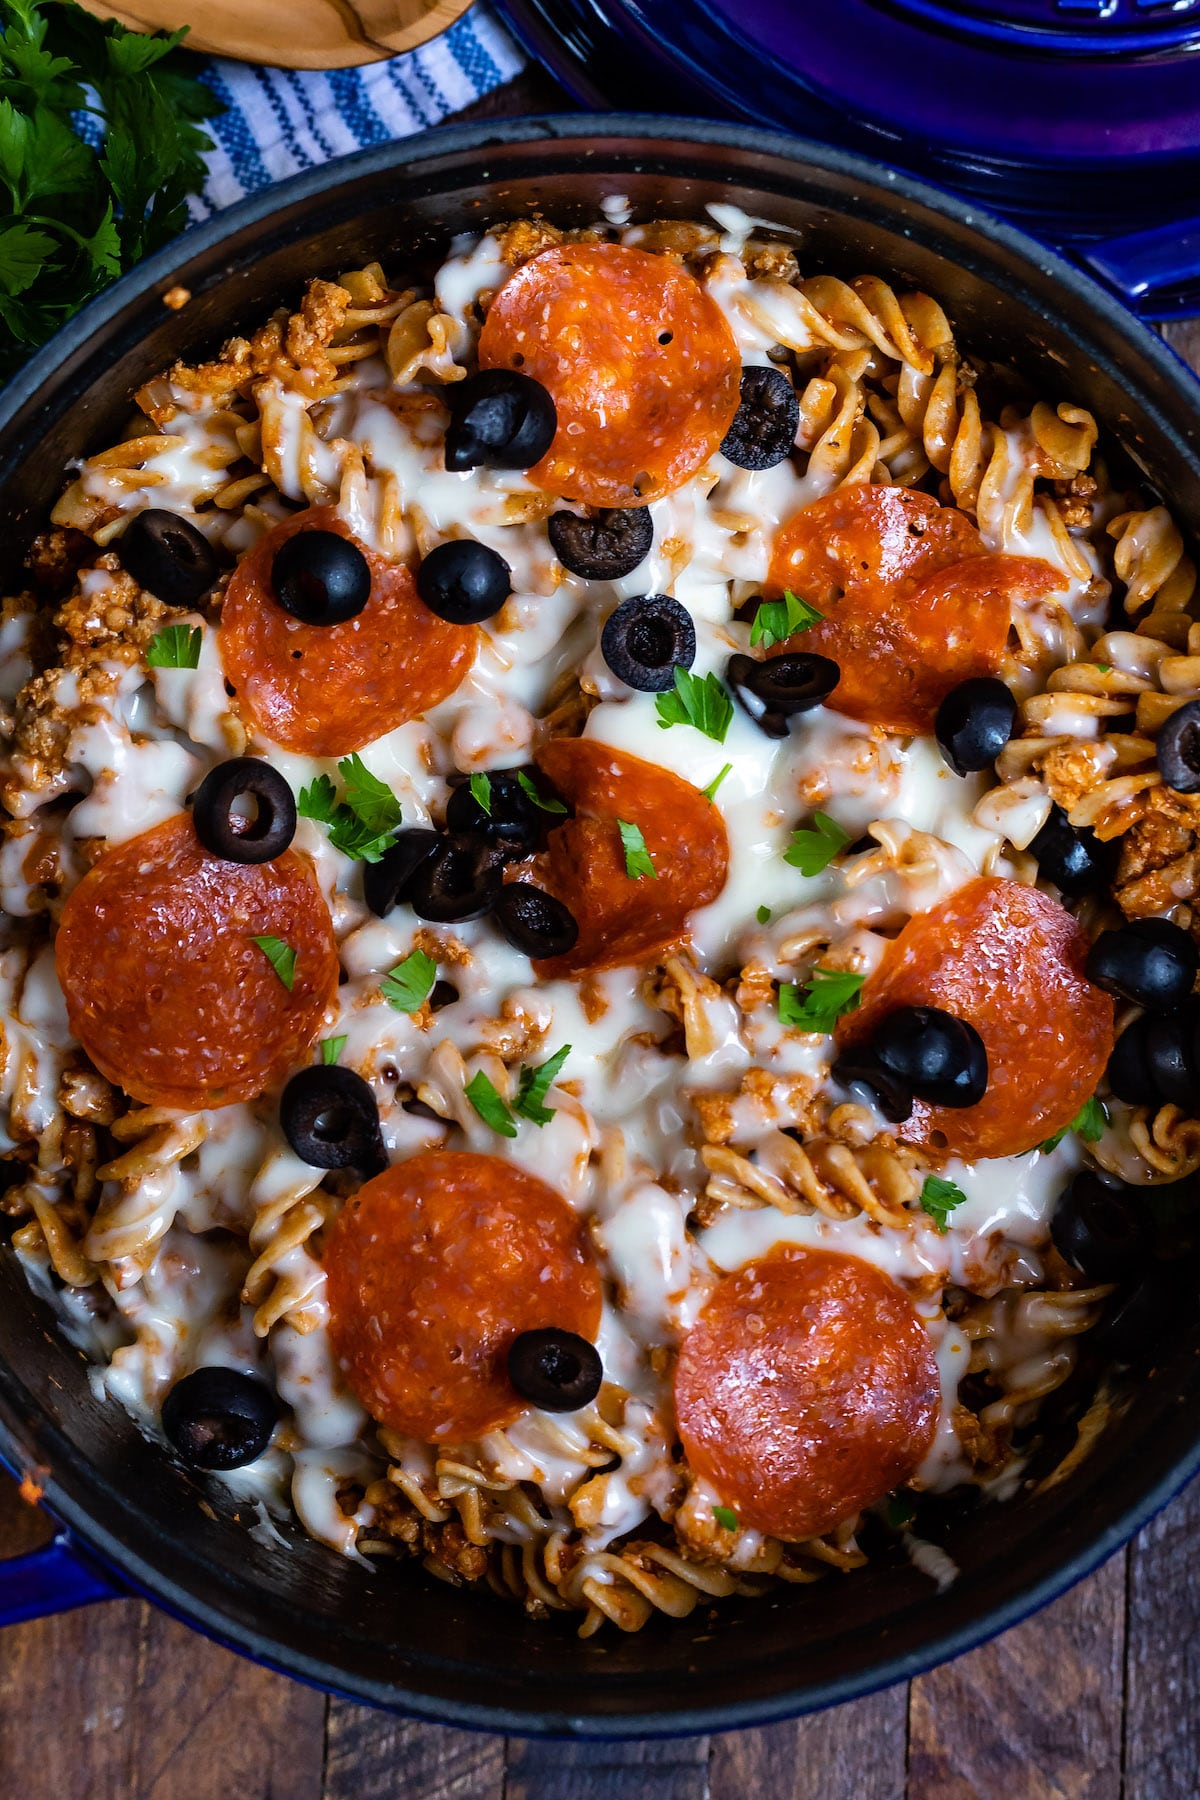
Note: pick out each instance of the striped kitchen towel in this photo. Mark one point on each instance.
(279, 121)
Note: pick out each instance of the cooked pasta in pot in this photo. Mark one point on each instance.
(518, 1041)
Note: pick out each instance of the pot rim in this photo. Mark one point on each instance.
(162, 270)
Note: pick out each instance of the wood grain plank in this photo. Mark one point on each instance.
(308, 34)
(855, 1752)
(675, 1770)
(68, 1697)
(208, 1725)
(372, 1756)
(1162, 1726)
(1034, 1714)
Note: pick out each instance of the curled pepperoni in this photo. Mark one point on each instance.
(913, 603)
(623, 919)
(432, 1269)
(165, 987)
(806, 1390)
(641, 364)
(329, 689)
(1009, 960)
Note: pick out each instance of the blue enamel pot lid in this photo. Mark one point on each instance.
(1078, 117)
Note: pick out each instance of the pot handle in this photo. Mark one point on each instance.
(1156, 272)
(51, 1579)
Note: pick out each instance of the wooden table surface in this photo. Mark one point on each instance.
(1097, 1698)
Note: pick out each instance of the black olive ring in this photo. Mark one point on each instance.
(238, 839)
(329, 1117)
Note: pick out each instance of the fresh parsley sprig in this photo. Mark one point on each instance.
(830, 994)
(534, 1084)
(697, 700)
(481, 792)
(638, 861)
(175, 647)
(776, 620)
(410, 983)
(331, 1048)
(1089, 1123)
(282, 958)
(812, 851)
(939, 1198)
(490, 1105)
(73, 217)
(546, 805)
(361, 825)
(710, 792)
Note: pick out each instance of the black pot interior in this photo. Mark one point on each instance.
(395, 1636)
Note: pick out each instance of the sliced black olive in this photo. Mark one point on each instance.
(1149, 961)
(385, 883)
(558, 1371)
(1102, 1227)
(245, 838)
(513, 822)
(1171, 1056)
(321, 578)
(329, 1117)
(605, 547)
(219, 1418)
(893, 1096)
(940, 1057)
(1178, 749)
(766, 421)
(167, 556)
(1074, 860)
(1128, 1071)
(459, 881)
(646, 640)
(533, 921)
(464, 582)
(499, 419)
(974, 722)
(773, 691)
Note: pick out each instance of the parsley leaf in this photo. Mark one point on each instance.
(370, 800)
(710, 792)
(481, 792)
(534, 1084)
(830, 994)
(725, 1515)
(490, 1107)
(1089, 1123)
(812, 851)
(638, 861)
(939, 1198)
(1104, 668)
(763, 914)
(696, 700)
(281, 957)
(73, 216)
(360, 826)
(776, 620)
(178, 647)
(410, 983)
(539, 800)
(331, 1048)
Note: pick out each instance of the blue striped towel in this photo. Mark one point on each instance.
(282, 120)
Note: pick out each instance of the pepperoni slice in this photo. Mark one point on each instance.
(329, 689)
(1009, 960)
(806, 1390)
(623, 919)
(166, 989)
(913, 603)
(432, 1269)
(641, 363)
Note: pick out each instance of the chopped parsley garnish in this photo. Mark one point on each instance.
(281, 957)
(481, 792)
(1089, 1123)
(1104, 668)
(710, 792)
(178, 647)
(898, 1510)
(361, 825)
(812, 851)
(331, 1048)
(490, 1107)
(776, 620)
(530, 791)
(763, 914)
(829, 995)
(638, 862)
(697, 700)
(725, 1515)
(939, 1199)
(410, 983)
(534, 1084)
